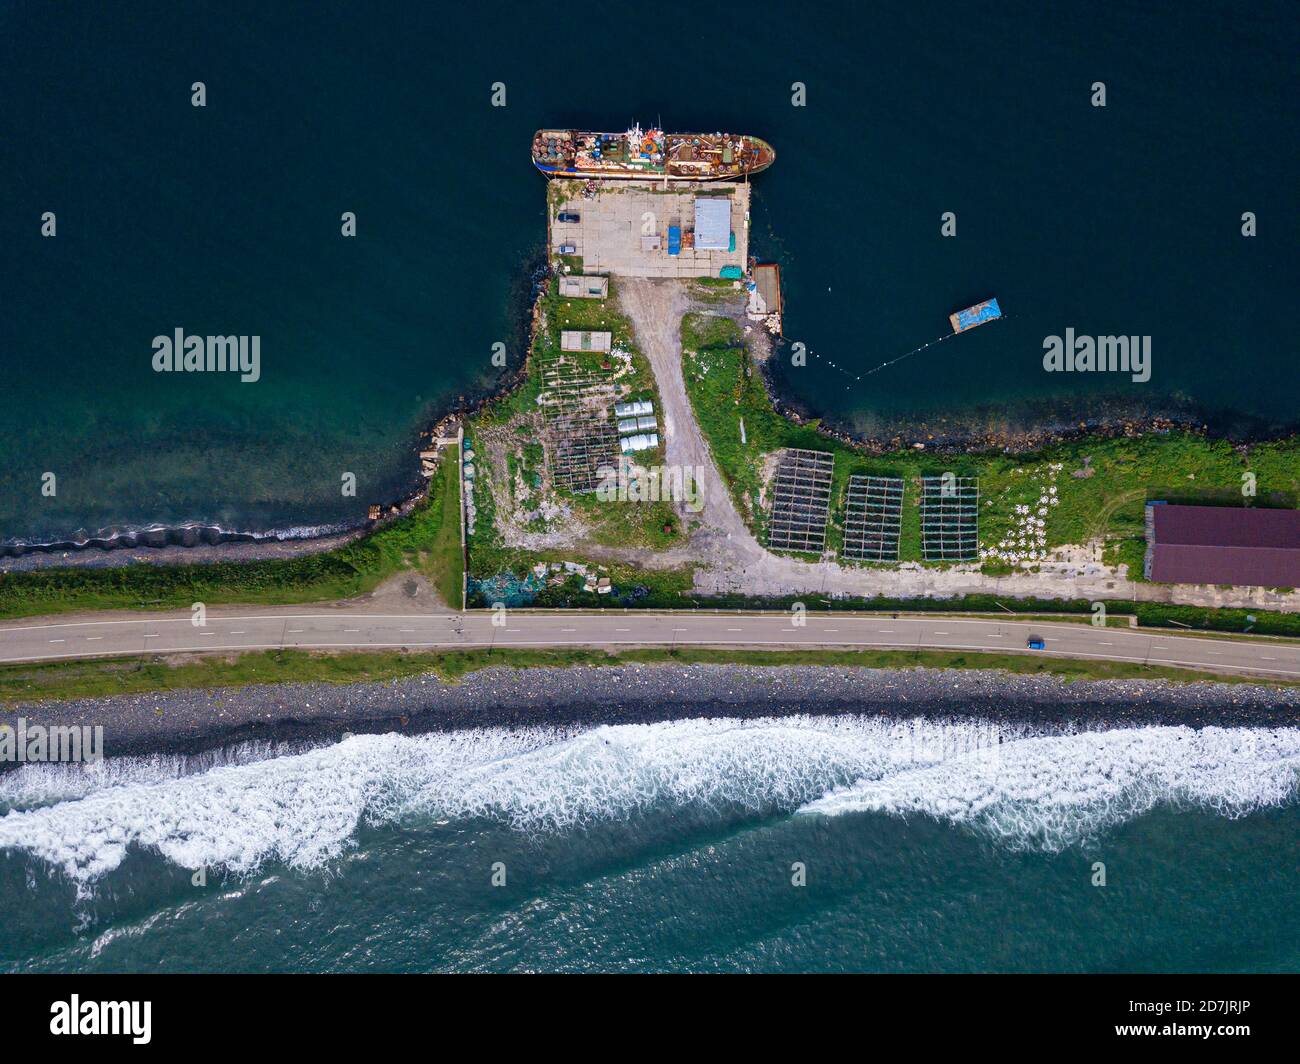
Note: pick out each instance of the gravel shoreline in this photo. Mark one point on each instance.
(191, 722)
(235, 550)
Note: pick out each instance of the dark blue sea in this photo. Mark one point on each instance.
(225, 220)
(670, 846)
(766, 844)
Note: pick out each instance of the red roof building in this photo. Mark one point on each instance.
(1223, 545)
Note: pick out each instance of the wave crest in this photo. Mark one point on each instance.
(1020, 785)
(1050, 792)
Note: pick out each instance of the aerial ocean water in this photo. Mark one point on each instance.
(226, 219)
(853, 842)
(798, 843)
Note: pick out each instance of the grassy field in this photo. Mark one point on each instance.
(427, 540)
(96, 679)
(439, 556)
(650, 525)
(597, 315)
(725, 387)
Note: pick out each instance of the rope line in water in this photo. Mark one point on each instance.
(893, 361)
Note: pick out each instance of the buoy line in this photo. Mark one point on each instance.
(884, 365)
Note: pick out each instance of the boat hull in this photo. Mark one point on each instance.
(654, 156)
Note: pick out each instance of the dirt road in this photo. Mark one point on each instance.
(656, 309)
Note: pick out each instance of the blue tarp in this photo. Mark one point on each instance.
(978, 315)
(674, 240)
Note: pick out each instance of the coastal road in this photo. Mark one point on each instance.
(53, 639)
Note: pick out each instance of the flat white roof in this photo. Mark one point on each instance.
(584, 286)
(712, 223)
(575, 340)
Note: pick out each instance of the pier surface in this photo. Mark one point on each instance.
(610, 233)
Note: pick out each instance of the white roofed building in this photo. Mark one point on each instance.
(583, 287)
(712, 223)
(573, 340)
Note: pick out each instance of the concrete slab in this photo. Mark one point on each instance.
(610, 229)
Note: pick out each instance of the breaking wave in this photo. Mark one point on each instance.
(1049, 792)
(252, 805)
(34, 785)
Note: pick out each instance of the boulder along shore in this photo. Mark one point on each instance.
(193, 721)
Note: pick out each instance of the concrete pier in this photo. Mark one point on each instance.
(624, 230)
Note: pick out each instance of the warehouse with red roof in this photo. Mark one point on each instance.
(1222, 545)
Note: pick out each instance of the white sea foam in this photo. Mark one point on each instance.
(1051, 791)
(44, 784)
(303, 808)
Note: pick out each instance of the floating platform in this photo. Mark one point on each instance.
(767, 276)
(976, 315)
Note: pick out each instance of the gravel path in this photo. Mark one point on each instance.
(656, 309)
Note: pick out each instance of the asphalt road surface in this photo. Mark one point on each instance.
(55, 639)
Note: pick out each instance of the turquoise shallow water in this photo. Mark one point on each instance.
(225, 220)
(924, 847)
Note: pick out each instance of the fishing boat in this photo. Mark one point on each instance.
(649, 153)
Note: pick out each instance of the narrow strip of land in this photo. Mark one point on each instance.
(234, 631)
